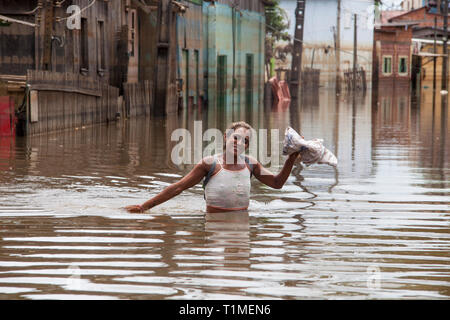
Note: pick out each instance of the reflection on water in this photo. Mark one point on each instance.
(375, 227)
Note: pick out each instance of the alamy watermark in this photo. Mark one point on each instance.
(74, 279)
(74, 20)
(373, 278)
(190, 147)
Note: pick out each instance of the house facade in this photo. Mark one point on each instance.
(220, 53)
(124, 57)
(392, 51)
(426, 24)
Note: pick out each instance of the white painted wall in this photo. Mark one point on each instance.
(320, 18)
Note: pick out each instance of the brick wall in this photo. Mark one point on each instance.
(394, 42)
(421, 15)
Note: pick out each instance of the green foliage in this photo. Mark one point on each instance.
(4, 23)
(276, 29)
(277, 24)
(199, 2)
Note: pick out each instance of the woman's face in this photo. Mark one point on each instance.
(237, 141)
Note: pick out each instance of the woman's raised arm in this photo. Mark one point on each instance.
(271, 180)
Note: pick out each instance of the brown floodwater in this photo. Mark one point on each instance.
(377, 227)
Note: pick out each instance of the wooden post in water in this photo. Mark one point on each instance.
(165, 95)
(445, 49)
(162, 81)
(48, 32)
(434, 60)
(338, 48)
(355, 50)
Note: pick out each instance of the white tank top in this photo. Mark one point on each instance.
(228, 190)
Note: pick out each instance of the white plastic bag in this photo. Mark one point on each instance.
(311, 151)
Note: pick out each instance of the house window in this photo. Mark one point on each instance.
(221, 81)
(101, 47)
(197, 76)
(84, 46)
(132, 25)
(403, 65)
(249, 80)
(387, 65)
(186, 84)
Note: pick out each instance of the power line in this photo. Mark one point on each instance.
(76, 14)
(8, 19)
(295, 39)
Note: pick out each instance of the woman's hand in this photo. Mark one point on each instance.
(135, 209)
(294, 155)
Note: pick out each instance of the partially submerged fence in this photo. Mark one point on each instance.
(310, 79)
(138, 99)
(59, 101)
(360, 82)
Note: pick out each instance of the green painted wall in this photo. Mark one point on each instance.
(222, 25)
(211, 30)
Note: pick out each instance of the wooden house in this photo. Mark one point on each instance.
(73, 63)
(61, 56)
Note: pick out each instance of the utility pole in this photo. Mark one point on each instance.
(48, 33)
(434, 58)
(296, 68)
(338, 48)
(445, 49)
(355, 50)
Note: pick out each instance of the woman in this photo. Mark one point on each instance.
(227, 176)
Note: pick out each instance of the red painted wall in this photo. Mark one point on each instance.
(7, 118)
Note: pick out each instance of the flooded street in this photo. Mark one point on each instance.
(377, 227)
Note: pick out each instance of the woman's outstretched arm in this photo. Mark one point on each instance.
(191, 179)
(271, 180)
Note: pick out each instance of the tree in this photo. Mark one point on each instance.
(277, 25)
